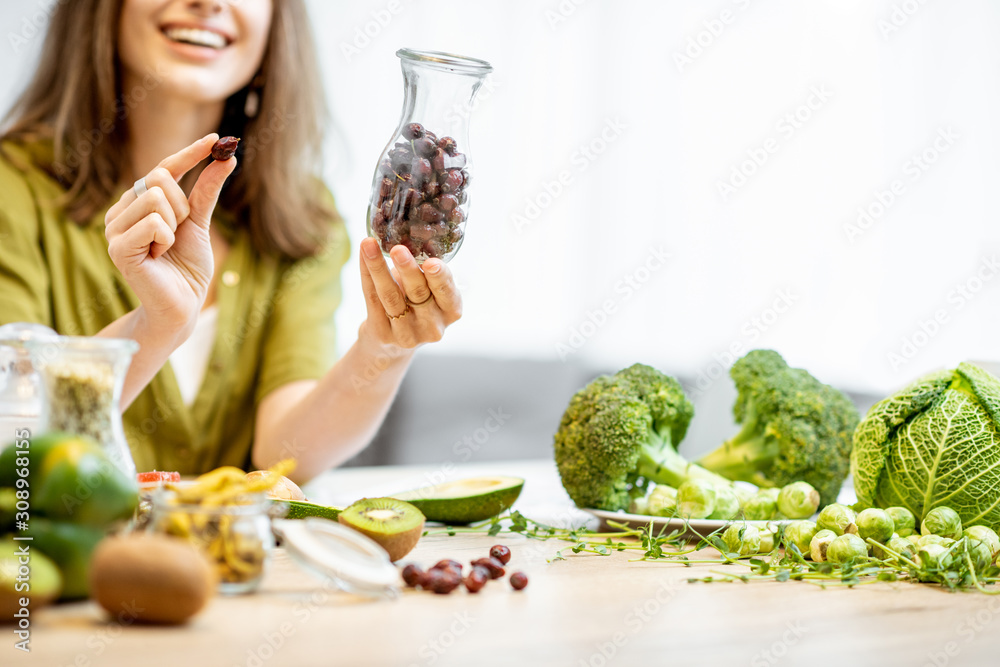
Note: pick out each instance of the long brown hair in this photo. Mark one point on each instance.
(76, 100)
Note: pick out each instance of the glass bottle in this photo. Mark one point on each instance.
(83, 379)
(420, 192)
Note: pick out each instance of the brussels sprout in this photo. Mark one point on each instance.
(930, 539)
(900, 545)
(905, 524)
(838, 518)
(874, 523)
(639, 506)
(845, 548)
(744, 492)
(979, 552)
(771, 493)
(768, 538)
(798, 500)
(760, 508)
(943, 521)
(742, 539)
(727, 505)
(662, 501)
(800, 534)
(695, 499)
(985, 535)
(820, 543)
(935, 557)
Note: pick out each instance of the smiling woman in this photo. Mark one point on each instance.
(111, 226)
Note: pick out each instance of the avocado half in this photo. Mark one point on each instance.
(465, 500)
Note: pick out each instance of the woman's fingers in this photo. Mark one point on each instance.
(411, 277)
(205, 194)
(149, 236)
(153, 200)
(388, 291)
(442, 285)
(173, 169)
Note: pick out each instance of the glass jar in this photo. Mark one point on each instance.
(236, 536)
(83, 379)
(21, 390)
(420, 192)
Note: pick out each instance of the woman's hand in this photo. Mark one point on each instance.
(410, 305)
(160, 241)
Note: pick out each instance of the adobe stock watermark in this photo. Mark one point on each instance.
(364, 34)
(967, 629)
(32, 25)
(900, 15)
(431, 650)
(786, 127)
(712, 29)
(579, 162)
(624, 289)
(913, 170)
(635, 622)
(778, 649)
(562, 12)
(961, 294)
(470, 444)
(750, 331)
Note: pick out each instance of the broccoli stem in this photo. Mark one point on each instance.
(659, 462)
(745, 456)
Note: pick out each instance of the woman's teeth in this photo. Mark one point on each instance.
(198, 37)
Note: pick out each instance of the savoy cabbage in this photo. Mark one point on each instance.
(935, 442)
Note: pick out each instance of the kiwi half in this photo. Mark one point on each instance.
(394, 524)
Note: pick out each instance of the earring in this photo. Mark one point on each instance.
(252, 106)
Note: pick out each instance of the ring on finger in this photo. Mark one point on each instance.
(140, 187)
(418, 303)
(402, 314)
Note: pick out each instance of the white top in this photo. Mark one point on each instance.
(190, 360)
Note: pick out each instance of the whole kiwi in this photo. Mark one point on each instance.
(151, 578)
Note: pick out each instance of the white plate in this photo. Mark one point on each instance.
(693, 526)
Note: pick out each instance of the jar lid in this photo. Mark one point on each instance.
(328, 550)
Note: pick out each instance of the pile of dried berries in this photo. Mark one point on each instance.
(447, 574)
(419, 202)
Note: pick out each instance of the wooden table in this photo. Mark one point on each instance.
(586, 611)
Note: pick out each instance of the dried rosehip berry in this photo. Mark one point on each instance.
(436, 247)
(424, 147)
(456, 235)
(385, 189)
(428, 213)
(431, 189)
(501, 553)
(413, 131)
(422, 232)
(518, 581)
(400, 157)
(225, 148)
(448, 145)
(421, 168)
(379, 224)
(444, 581)
(452, 181)
(437, 160)
(494, 566)
(430, 135)
(447, 203)
(412, 574)
(456, 217)
(385, 167)
(476, 579)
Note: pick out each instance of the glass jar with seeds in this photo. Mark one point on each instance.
(83, 379)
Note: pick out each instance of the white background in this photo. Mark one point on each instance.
(894, 74)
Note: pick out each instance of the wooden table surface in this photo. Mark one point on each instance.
(586, 611)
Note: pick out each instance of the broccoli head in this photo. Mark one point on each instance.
(794, 428)
(620, 432)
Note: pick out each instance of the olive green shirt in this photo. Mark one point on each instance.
(275, 323)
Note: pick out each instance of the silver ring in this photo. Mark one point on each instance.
(139, 188)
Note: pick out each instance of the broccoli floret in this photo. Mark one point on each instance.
(619, 433)
(794, 428)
